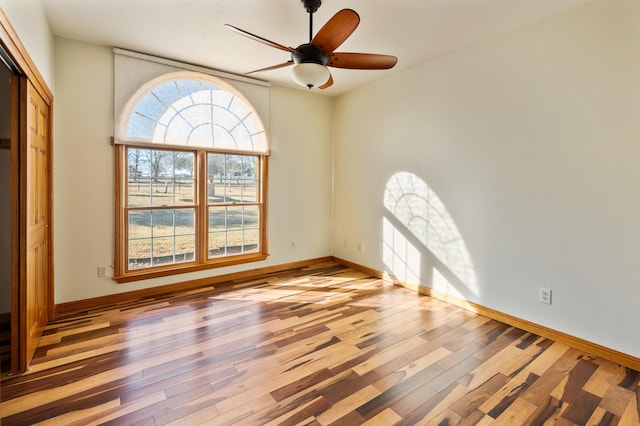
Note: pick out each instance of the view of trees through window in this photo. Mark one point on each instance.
(232, 191)
(162, 205)
(161, 201)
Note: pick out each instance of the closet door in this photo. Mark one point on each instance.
(35, 183)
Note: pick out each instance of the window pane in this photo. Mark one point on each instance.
(185, 219)
(216, 181)
(163, 223)
(139, 192)
(217, 231)
(139, 253)
(160, 237)
(139, 224)
(184, 178)
(139, 185)
(163, 250)
(233, 230)
(160, 178)
(232, 178)
(217, 219)
(234, 242)
(215, 190)
(183, 191)
(234, 217)
(251, 217)
(251, 241)
(249, 166)
(217, 244)
(249, 190)
(160, 192)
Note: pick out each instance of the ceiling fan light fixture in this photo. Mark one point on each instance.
(309, 74)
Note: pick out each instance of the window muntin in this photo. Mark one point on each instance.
(196, 200)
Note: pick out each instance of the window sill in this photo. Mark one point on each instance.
(165, 271)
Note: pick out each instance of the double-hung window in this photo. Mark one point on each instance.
(190, 180)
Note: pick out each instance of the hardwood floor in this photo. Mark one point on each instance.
(314, 346)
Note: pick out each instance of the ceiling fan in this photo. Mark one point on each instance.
(310, 60)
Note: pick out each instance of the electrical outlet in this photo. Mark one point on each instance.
(544, 296)
(362, 247)
(293, 244)
(345, 244)
(102, 271)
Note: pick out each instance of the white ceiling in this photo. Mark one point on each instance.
(193, 31)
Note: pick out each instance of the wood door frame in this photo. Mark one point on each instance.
(25, 67)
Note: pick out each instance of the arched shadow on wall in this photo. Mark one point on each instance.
(421, 243)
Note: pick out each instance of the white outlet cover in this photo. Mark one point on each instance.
(544, 295)
(102, 271)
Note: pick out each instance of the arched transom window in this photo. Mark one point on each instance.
(191, 173)
(197, 113)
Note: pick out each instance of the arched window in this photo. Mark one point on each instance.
(191, 178)
(190, 109)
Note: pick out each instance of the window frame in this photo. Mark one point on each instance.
(201, 261)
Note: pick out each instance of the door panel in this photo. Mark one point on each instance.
(35, 168)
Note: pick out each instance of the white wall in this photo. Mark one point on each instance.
(299, 202)
(30, 23)
(531, 142)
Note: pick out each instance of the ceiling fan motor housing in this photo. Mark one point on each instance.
(311, 5)
(307, 53)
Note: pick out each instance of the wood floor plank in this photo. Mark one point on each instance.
(470, 402)
(548, 411)
(602, 417)
(540, 390)
(577, 378)
(411, 369)
(316, 345)
(401, 390)
(616, 400)
(496, 404)
(343, 407)
(447, 417)
(631, 415)
(453, 374)
(603, 378)
(516, 414)
(582, 407)
(427, 410)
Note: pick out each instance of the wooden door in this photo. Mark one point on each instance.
(35, 217)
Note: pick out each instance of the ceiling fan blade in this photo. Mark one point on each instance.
(336, 31)
(329, 83)
(362, 61)
(261, 39)
(272, 67)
